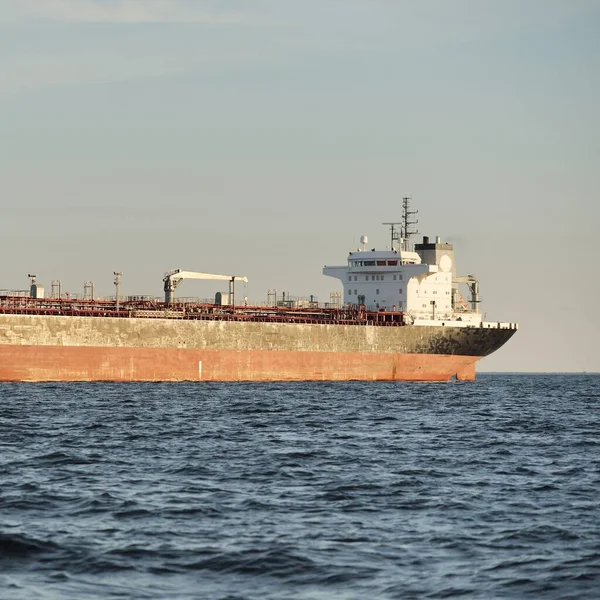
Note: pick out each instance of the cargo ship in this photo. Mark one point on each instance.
(401, 317)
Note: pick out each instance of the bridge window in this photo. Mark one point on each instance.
(392, 263)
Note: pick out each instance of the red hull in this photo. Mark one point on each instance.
(78, 363)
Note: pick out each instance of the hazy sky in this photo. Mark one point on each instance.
(263, 137)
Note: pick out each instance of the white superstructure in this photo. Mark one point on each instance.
(396, 280)
(421, 283)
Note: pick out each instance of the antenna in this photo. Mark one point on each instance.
(394, 233)
(406, 214)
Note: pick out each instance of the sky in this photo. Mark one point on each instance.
(264, 137)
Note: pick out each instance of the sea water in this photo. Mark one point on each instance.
(485, 489)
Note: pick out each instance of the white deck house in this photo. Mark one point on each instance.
(401, 280)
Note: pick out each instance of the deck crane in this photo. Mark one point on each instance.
(173, 278)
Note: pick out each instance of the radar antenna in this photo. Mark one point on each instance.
(406, 221)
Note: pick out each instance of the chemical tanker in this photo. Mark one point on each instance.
(401, 317)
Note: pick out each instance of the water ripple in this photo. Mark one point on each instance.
(301, 490)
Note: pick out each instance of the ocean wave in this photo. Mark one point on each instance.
(351, 490)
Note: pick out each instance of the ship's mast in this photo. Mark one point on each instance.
(406, 222)
(394, 231)
(401, 232)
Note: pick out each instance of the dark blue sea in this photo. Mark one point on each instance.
(489, 489)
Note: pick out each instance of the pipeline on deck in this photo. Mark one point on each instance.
(148, 309)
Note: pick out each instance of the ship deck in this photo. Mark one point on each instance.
(149, 309)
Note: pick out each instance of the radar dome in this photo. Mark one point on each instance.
(364, 239)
